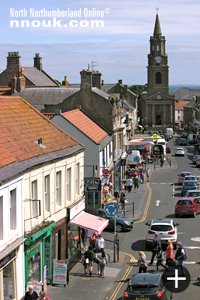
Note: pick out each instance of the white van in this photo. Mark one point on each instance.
(163, 143)
(133, 157)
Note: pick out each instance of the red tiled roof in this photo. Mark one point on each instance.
(85, 124)
(179, 105)
(21, 126)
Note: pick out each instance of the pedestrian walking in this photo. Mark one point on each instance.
(142, 174)
(31, 294)
(102, 261)
(136, 182)
(129, 184)
(100, 242)
(142, 262)
(84, 237)
(180, 256)
(148, 174)
(44, 296)
(155, 247)
(160, 259)
(169, 254)
(88, 261)
(122, 201)
(93, 241)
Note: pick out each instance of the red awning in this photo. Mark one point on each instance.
(90, 221)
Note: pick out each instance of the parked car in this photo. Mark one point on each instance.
(187, 206)
(166, 229)
(180, 152)
(198, 162)
(188, 185)
(190, 177)
(195, 157)
(182, 175)
(183, 141)
(122, 224)
(146, 286)
(193, 193)
(184, 135)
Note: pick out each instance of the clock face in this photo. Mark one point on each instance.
(158, 60)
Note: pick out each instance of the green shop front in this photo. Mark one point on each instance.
(38, 257)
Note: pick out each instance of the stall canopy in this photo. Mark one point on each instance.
(90, 221)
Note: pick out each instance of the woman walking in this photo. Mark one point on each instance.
(142, 262)
(169, 255)
(101, 259)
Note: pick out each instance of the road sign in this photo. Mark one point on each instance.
(111, 209)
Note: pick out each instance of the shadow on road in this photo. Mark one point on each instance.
(139, 245)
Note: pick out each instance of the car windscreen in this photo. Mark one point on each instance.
(161, 227)
(193, 194)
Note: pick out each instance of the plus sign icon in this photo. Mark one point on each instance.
(176, 279)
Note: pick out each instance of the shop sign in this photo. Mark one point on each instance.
(59, 272)
(37, 286)
(8, 258)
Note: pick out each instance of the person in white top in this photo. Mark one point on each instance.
(100, 242)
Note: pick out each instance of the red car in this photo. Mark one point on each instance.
(187, 206)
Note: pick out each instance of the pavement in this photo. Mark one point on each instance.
(83, 286)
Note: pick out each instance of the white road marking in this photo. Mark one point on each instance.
(182, 232)
(196, 239)
(192, 247)
(157, 202)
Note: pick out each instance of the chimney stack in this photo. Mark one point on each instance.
(96, 79)
(86, 80)
(65, 82)
(38, 61)
(13, 62)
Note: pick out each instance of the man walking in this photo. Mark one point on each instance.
(180, 256)
(155, 248)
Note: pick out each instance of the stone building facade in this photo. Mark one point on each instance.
(157, 105)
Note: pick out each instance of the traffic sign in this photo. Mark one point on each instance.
(111, 209)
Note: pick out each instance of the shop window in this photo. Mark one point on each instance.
(77, 180)
(47, 192)
(34, 267)
(9, 282)
(73, 240)
(34, 197)
(58, 188)
(69, 184)
(1, 218)
(13, 210)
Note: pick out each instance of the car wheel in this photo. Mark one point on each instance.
(119, 227)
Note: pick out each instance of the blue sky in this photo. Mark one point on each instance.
(119, 48)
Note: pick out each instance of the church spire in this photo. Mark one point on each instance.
(157, 29)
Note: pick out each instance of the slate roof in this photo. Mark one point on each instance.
(21, 127)
(185, 93)
(86, 125)
(41, 96)
(37, 77)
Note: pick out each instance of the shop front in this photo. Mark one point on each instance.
(11, 264)
(78, 220)
(38, 257)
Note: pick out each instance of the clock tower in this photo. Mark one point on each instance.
(157, 106)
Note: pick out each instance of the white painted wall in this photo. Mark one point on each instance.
(10, 236)
(57, 212)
